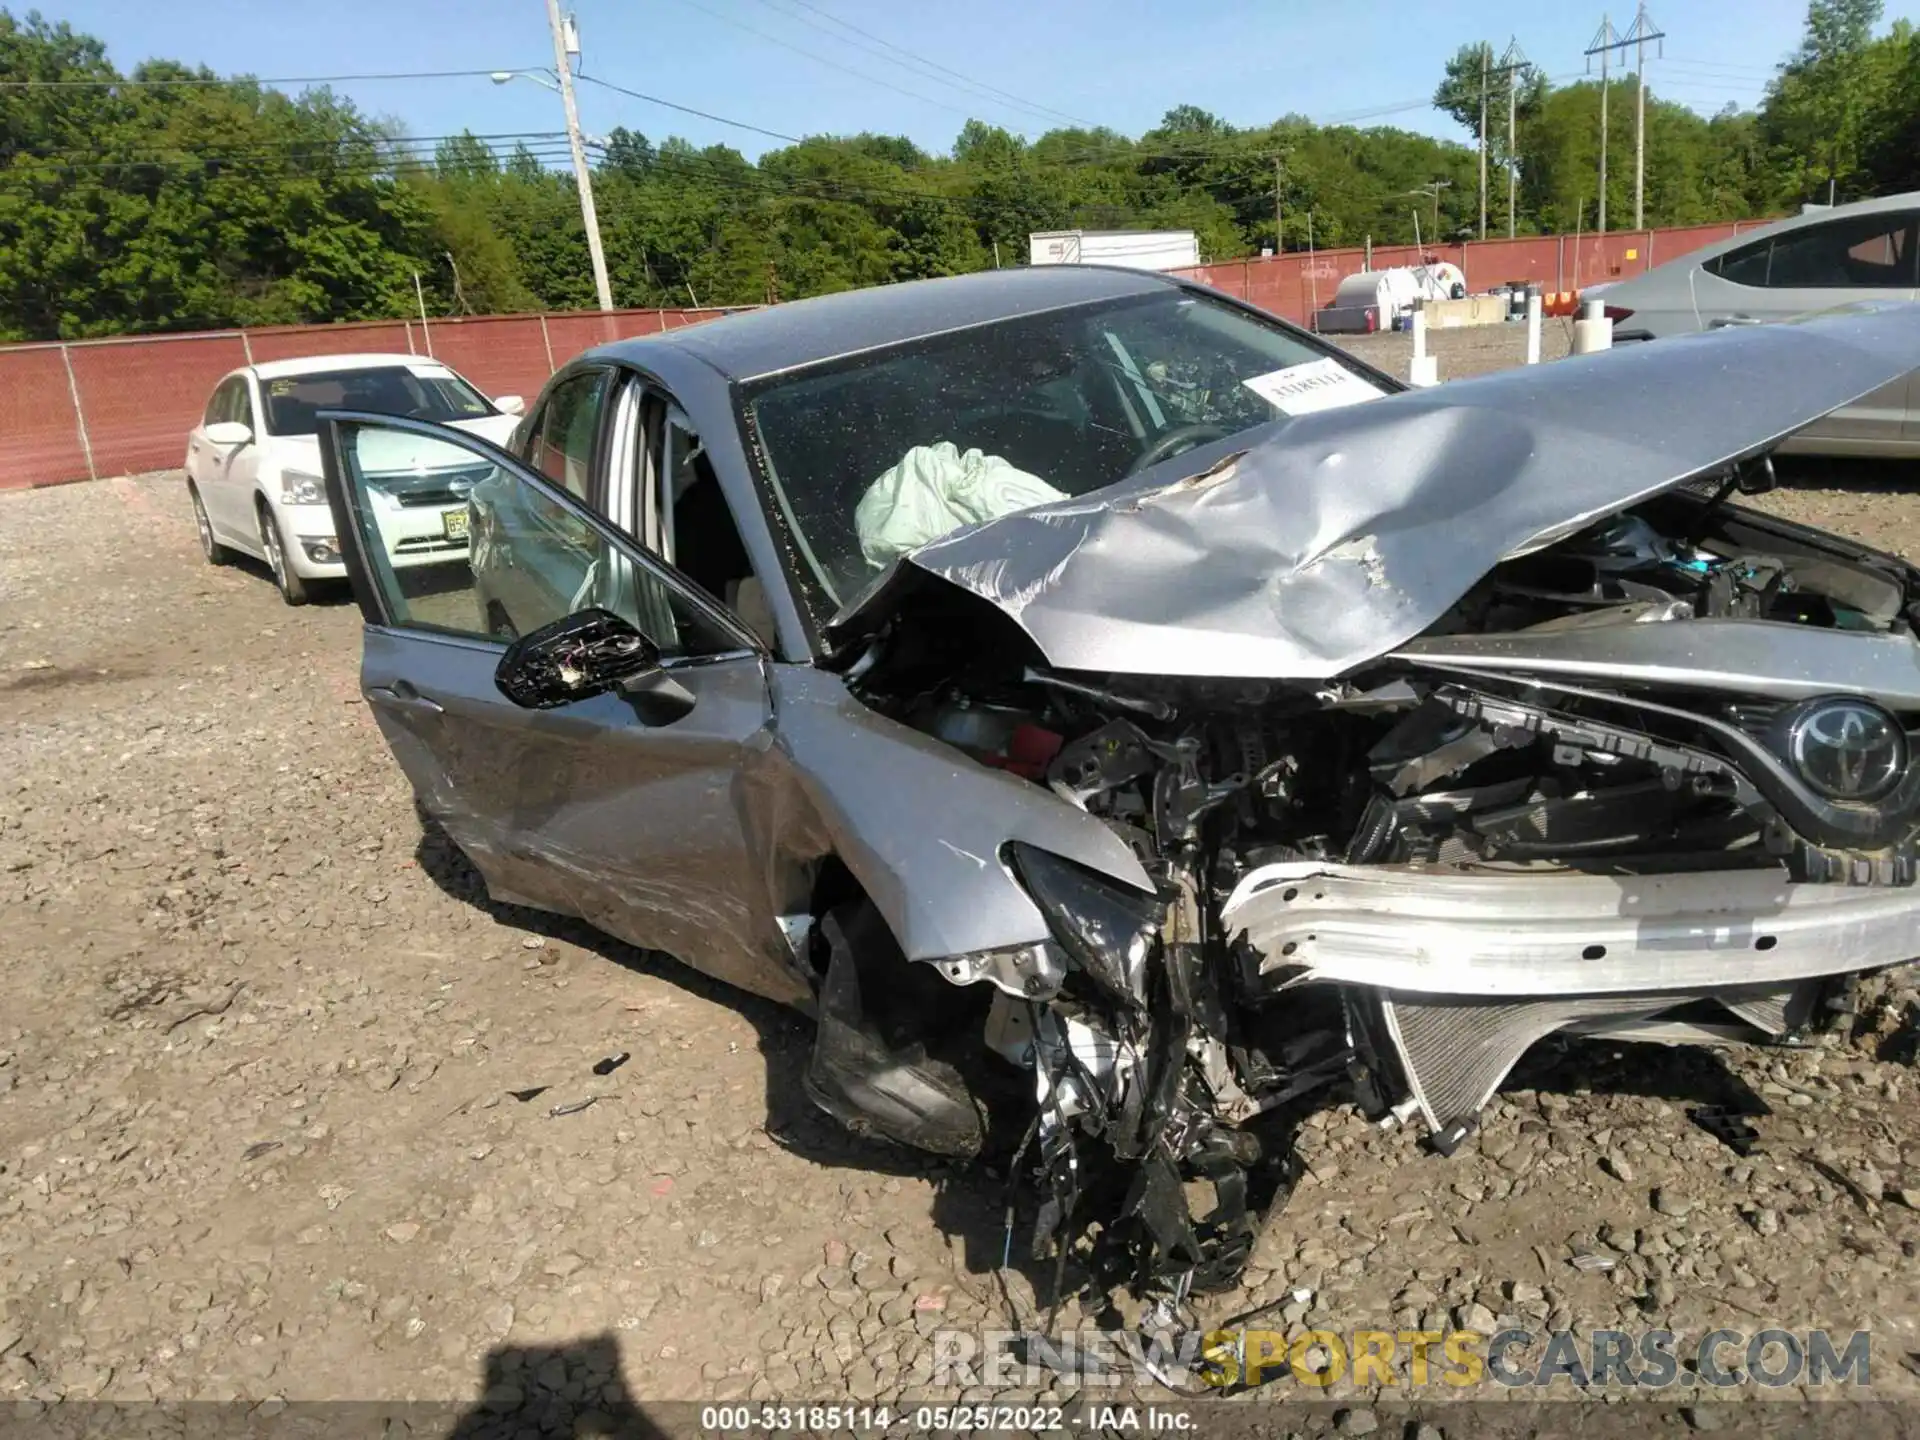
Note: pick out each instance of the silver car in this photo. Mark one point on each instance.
(1121, 720)
(1813, 262)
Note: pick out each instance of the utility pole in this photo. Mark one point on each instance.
(582, 177)
(1606, 40)
(1511, 65)
(1485, 57)
(1279, 243)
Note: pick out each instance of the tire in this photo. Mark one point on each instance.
(215, 552)
(499, 626)
(292, 588)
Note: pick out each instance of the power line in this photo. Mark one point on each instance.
(1767, 72)
(361, 167)
(689, 110)
(822, 60)
(239, 80)
(933, 69)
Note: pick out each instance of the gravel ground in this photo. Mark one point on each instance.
(287, 1109)
(1470, 350)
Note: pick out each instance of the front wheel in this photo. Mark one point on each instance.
(292, 588)
(215, 552)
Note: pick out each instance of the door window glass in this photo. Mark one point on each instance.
(459, 543)
(700, 538)
(1863, 252)
(242, 406)
(1745, 266)
(217, 403)
(569, 423)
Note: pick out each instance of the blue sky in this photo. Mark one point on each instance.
(1121, 63)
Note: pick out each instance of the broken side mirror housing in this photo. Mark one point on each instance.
(576, 657)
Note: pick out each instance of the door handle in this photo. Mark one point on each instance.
(403, 696)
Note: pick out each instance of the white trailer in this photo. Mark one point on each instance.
(1135, 249)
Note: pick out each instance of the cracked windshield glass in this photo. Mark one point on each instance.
(878, 456)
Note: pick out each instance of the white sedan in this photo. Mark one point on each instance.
(253, 463)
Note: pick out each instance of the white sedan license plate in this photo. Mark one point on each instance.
(453, 524)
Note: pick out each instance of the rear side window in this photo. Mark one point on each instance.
(1861, 252)
(1745, 266)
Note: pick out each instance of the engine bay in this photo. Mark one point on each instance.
(1181, 1045)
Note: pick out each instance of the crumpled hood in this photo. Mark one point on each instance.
(1354, 530)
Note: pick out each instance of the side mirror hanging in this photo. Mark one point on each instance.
(578, 656)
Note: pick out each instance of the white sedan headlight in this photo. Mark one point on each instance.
(299, 488)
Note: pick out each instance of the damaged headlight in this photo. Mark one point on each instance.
(1105, 927)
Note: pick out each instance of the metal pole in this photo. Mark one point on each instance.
(1639, 117)
(1484, 57)
(1606, 28)
(246, 347)
(420, 296)
(546, 340)
(1513, 160)
(79, 415)
(582, 177)
(1279, 243)
(1313, 280)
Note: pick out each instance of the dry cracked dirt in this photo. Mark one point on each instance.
(289, 1110)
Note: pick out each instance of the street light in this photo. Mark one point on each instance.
(539, 77)
(1432, 190)
(560, 80)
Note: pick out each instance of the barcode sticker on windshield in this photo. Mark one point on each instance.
(1323, 384)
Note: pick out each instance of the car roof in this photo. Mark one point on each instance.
(329, 364)
(802, 332)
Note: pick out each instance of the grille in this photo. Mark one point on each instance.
(429, 545)
(438, 495)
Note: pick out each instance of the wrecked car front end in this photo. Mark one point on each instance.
(1432, 728)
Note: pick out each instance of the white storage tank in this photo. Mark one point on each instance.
(1376, 299)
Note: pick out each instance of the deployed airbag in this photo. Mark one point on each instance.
(935, 490)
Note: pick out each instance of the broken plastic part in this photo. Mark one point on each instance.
(872, 1089)
(578, 656)
(1106, 930)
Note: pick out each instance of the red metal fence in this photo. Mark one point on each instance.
(1295, 285)
(107, 407)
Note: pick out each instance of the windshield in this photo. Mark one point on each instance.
(422, 392)
(873, 457)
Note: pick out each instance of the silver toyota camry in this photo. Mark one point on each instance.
(1121, 720)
